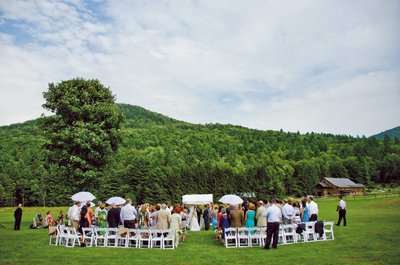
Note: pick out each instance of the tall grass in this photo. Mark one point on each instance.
(371, 237)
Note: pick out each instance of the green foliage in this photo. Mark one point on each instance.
(84, 133)
(162, 159)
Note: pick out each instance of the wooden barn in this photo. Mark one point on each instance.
(339, 186)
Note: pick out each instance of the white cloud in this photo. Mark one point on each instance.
(295, 65)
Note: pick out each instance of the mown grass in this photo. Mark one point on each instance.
(371, 237)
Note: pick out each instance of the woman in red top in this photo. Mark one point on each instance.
(89, 215)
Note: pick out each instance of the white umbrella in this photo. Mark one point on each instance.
(83, 196)
(231, 199)
(116, 200)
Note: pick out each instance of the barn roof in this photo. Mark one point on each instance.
(344, 183)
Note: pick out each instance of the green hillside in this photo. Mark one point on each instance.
(393, 133)
(162, 159)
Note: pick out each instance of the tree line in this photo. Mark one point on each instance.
(159, 159)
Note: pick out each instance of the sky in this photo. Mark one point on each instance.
(325, 66)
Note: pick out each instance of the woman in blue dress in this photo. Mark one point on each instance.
(214, 223)
(250, 216)
(304, 212)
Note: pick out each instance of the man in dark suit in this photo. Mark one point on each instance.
(113, 216)
(206, 216)
(18, 217)
(199, 212)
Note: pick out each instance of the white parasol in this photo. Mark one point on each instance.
(231, 199)
(83, 196)
(116, 200)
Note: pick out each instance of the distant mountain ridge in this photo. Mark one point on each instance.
(392, 133)
(161, 158)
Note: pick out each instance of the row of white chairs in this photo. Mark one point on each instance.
(256, 236)
(110, 237)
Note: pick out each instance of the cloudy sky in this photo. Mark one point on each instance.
(329, 66)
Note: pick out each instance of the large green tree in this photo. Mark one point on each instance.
(83, 133)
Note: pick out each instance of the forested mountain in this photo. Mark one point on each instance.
(162, 159)
(393, 133)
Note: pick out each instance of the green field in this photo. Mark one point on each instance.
(371, 237)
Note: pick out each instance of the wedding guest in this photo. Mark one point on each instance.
(304, 212)
(89, 215)
(114, 216)
(176, 223)
(224, 222)
(214, 214)
(184, 218)
(287, 213)
(207, 215)
(341, 211)
(250, 215)
(60, 218)
(96, 212)
(273, 215)
(163, 218)
(128, 214)
(236, 217)
(75, 215)
(261, 221)
(18, 217)
(313, 210)
(49, 219)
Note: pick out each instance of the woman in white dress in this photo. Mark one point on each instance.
(194, 224)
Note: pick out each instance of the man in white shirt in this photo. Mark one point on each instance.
(273, 215)
(313, 210)
(128, 214)
(287, 213)
(342, 211)
(75, 215)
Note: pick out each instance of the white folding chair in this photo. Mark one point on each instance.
(54, 237)
(328, 231)
(289, 233)
(100, 236)
(121, 239)
(88, 236)
(156, 238)
(72, 238)
(230, 237)
(243, 239)
(132, 238)
(144, 238)
(63, 232)
(111, 237)
(263, 235)
(254, 236)
(281, 235)
(169, 239)
(309, 232)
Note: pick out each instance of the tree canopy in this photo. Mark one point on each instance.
(160, 159)
(83, 135)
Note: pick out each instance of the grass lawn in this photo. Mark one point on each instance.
(371, 237)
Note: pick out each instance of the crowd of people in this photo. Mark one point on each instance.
(183, 217)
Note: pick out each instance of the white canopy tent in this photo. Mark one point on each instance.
(197, 199)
